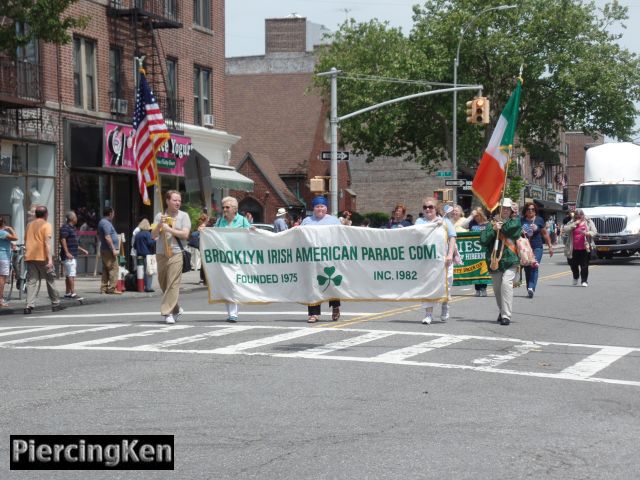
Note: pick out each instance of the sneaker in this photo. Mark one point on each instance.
(444, 315)
(68, 295)
(530, 292)
(505, 321)
(72, 295)
(335, 315)
(483, 292)
(312, 319)
(585, 284)
(169, 320)
(179, 314)
(28, 310)
(427, 319)
(232, 319)
(499, 320)
(575, 282)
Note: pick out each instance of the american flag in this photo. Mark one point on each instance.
(150, 134)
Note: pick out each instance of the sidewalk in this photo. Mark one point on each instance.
(88, 288)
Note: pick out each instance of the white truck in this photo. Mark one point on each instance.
(610, 196)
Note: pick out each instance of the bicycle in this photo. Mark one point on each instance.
(17, 272)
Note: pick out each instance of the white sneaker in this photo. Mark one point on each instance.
(585, 284)
(575, 281)
(444, 315)
(179, 314)
(427, 319)
(169, 320)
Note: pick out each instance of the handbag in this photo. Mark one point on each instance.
(525, 253)
(186, 257)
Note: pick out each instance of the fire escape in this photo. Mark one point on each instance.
(135, 29)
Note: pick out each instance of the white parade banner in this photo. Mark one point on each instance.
(314, 264)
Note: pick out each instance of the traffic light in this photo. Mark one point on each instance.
(443, 195)
(482, 110)
(478, 110)
(438, 195)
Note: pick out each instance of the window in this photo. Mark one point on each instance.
(115, 72)
(201, 89)
(170, 8)
(202, 13)
(28, 79)
(84, 73)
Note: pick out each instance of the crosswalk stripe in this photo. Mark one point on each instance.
(598, 361)
(413, 350)
(341, 345)
(498, 359)
(191, 339)
(102, 341)
(240, 347)
(57, 335)
(34, 329)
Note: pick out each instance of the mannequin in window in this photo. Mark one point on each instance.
(17, 212)
(35, 195)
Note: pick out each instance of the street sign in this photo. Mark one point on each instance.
(444, 173)
(342, 155)
(460, 182)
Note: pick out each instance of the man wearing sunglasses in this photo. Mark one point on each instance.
(429, 207)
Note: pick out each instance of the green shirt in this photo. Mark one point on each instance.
(512, 229)
(238, 222)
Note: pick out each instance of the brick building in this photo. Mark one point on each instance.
(66, 111)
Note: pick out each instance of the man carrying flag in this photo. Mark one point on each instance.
(149, 136)
(491, 176)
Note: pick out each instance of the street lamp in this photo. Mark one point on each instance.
(454, 143)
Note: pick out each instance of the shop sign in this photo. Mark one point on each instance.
(118, 152)
(536, 192)
(551, 196)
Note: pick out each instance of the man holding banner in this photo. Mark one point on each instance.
(321, 217)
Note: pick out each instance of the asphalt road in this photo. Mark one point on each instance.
(378, 395)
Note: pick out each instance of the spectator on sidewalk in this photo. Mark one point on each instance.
(109, 249)
(280, 224)
(145, 246)
(39, 260)
(7, 235)
(69, 248)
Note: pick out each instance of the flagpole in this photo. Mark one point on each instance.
(495, 258)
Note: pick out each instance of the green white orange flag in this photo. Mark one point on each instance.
(490, 177)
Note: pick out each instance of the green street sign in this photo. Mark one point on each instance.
(444, 173)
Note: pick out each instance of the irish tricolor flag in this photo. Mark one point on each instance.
(491, 174)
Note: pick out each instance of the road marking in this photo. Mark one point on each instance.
(58, 335)
(583, 370)
(596, 362)
(33, 329)
(224, 314)
(396, 356)
(496, 360)
(341, 345)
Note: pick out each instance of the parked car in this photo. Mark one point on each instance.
(264, 226)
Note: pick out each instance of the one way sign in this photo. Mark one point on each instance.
(342, 155)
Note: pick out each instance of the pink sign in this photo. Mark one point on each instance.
(118, 152)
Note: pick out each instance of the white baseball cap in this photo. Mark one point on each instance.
(281, 211)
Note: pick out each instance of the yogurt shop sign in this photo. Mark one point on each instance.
(118, 151)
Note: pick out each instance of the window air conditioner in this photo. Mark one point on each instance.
(123, 106)
(208, 120)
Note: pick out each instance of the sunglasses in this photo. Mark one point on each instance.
(427, 207)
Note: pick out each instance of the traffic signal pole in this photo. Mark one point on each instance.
(335, 122)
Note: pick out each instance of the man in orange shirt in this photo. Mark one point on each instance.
(39, 260)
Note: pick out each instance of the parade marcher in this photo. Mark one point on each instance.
(431, 215)
(109, 249)
(478, 223)
(7, 235)
(194, 242)
(503, 261)
(398, 217)
(38, 258)
(320, 217)
(231, 219)
(69, 248)
(580, 233)
(171, 232)
(145, 246)
(460, 222)
(280, 224)
(535, 230)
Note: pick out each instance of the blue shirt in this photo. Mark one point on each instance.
(451, 230)
(533, 231)
(68, 232)
(105, 228)
(5, 246)
(326, 220)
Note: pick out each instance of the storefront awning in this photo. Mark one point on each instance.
(223, 176)
(547, 205)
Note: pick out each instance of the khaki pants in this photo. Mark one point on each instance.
(503, 289)
(110, 270)
(169, 277)
(37, 271)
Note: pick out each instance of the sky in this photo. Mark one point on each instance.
(245, 18)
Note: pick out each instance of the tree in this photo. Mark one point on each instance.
(44, 19)
(576, 76)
